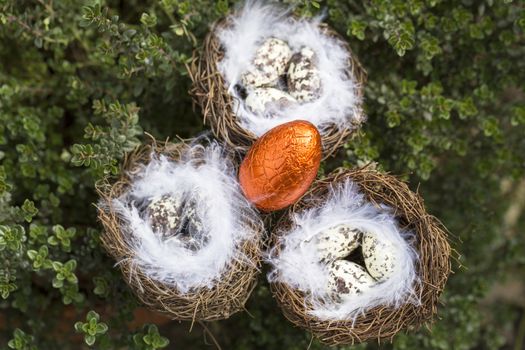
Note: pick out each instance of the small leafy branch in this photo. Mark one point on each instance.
(62, 237)
(151, 340)
(150, 53)
(21, 341)
(120, 135)
(92, 329)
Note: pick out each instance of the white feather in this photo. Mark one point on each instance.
(204, 173)
(254, 23)
(298, 264)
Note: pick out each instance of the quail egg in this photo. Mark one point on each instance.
(346, 279)
(262, 98)
(380, 257)
(165, 214)
(269, 63)
(177, 217)
(304, 81)
(337, 242)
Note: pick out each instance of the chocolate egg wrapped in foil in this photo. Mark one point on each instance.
(269, 63)
(337, 242)
(380, 257)
(304, 81)
(346, 279)
(261, 99)
(281, 165)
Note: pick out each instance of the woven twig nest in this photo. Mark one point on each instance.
(432, 265)
(214, 297)
(223, 108)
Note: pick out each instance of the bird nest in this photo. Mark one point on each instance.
(222, 107)
(182, 295)
(431, 263)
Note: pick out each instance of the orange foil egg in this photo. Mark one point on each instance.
(281, 165)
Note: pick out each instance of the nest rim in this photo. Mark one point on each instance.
(433, 266)
(209, 91)
(228, 295)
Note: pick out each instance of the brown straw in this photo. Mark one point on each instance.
(433, 266)
(209, 91)
(225, 298)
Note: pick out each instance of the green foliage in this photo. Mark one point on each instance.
(109, 142)
(62, 237)
(92, 328)
(152, 340)
(82, 80)
(39, 258)
(21, 341)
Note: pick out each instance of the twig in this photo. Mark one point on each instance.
(211, 335)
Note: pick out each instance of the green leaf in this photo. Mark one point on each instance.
(78, 326)
(149, 20)
(101, 328)
(161, 342)
(518, 116)
(92, 315)
(90, 339)
(38, 42)
(430, 46)
(467, 108)
(58, 282)
(222, 6)
(52, 240)
(401, 37)
(357, 29)
(393, 118)
(491, 127)
(32, 254)
(29, 210)
(71, 265)
(57, 265)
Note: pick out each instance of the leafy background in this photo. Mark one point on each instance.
(82, 81)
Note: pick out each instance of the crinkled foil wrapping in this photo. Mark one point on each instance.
(281, 165)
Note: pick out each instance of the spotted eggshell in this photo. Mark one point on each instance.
(346, 278)
(269, 63)
(281, 165)
(380, 257)
(262, 98)
(174, 216)
(165, 214)
(337, 242)
(304, 82)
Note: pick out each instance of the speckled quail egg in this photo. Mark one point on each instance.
(380, 257)
(337, 242)
(176, 217)
(262, 98)
(346, 278)
(304, 81)
(269, 63)
(165, 214)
